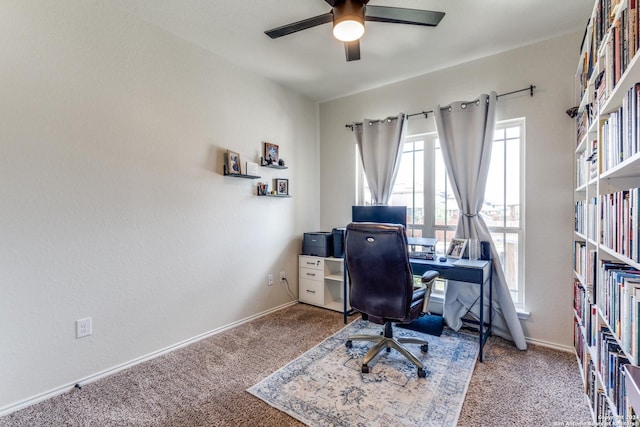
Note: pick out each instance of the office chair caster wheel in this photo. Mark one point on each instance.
(422, 373)
(365, 369)
(349, 344)
(424, 348)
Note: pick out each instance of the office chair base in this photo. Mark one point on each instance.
(386, 342)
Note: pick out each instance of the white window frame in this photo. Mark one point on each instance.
(429, 228)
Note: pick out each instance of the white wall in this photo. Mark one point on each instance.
(112, 200)
(113, 205)
(550, 66)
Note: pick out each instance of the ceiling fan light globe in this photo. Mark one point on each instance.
(348, 30)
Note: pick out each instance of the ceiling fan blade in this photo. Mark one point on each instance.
(300, 25)
(400, 15)
(334, 3)
(352, 50)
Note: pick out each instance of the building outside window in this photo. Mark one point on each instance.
(423, 177)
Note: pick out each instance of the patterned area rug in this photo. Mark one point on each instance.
(324, 386)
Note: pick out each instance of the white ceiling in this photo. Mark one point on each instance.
(313, 63)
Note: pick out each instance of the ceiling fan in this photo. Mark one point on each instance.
(348, 18)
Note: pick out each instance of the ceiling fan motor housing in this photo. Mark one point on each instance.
(348, 20)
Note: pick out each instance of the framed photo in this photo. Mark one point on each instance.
(234, 167)
(271, 154)
(282, 186)
(456, 248)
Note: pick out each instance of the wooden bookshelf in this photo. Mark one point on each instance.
(607, 206)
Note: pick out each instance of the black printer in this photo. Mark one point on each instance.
(319, 243)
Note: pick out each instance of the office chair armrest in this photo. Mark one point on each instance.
(418, 294)
(429, 276)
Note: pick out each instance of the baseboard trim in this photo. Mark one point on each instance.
(555, 346)
(107, 372)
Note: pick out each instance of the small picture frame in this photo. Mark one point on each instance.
(251, 168)
(263, 189)
(456, 248)
(271, 153)
(282, 187)
(234, 167)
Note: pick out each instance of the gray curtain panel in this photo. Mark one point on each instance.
(465, 130)
(380, 146)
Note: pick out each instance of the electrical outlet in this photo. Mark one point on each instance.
(283, 277)
(270, 279)
(83, 327)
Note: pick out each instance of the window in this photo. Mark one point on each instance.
(423, 177)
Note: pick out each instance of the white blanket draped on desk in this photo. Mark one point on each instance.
(465, 130)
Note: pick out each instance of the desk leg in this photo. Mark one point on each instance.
(490, 298)
(484, 336)
(345, 293)
(481, 325)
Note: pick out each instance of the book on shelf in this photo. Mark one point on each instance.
(611, 360)
(620, 223)
(580, 217)
(592, 326)
(620, 134)
(628, 315)
(591, 223)
(630, 340)
(591, 384)
(578, 345)
(582, 169)
(580, 259)
(601, 90)
(634, 224)
(592, 270)
(581, 300)
(586, 116)
(632, 28)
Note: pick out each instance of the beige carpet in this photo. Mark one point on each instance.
(204, 384)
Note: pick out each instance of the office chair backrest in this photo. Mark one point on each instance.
(380, 277)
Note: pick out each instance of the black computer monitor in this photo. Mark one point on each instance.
(384, 214)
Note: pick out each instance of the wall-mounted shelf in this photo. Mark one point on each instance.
(241, 175)
(275, 195)
(274, 166)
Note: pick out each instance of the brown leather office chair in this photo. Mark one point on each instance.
(381, 286)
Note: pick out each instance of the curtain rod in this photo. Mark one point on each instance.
(426, 113)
